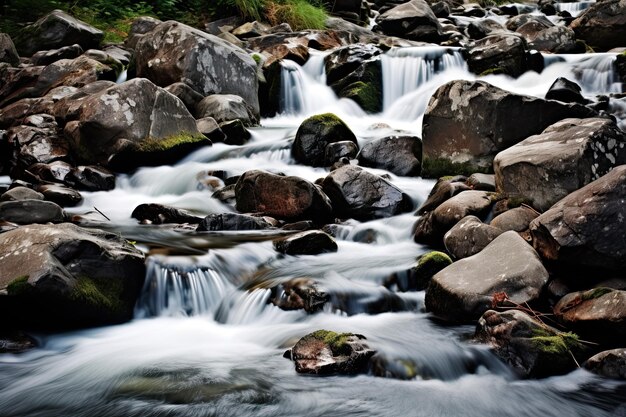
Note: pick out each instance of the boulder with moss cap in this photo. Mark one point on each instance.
(314, 134)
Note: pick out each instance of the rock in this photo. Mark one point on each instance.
(232, 221)
(482, 182)
(160, 214)
(517, 219)
(211, 129)
(413, 20)
(235, 132)
(398, 154)
(20, 194)
(324, 352)
(335, 151)
(132, 124)
(532, 348)
(444, 188)
(468, 122)
(226, 194)
(289, 198)
(609, 364)
(566, 91)
(314, 134)
(418, 277)
(502, 53)
(482, 28)
(585, 228)
(469, 236)
(55, 30)
(311, 242)
(8, 53)
(16, 342)
(63, 276)
(556, 39)
(465, 290)
(565, 157)
(603, 25)
(60, 194)
(55, 171)
(54, 55)
(516, 22)
(174, 52)
(227, 107)
(91, 178)
(598, 315)
(31, 211)
(299, 294)
(250, 30)
(190, 97)
(356, 193)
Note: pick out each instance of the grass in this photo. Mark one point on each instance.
(299, 14)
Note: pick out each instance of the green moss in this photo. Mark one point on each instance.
(257, 58)
(434, 257)
(442, 167)
(492, 71)
(595, 293)
(99, 294)
(555, 344)
(19, 285)
(164, 144)
(427, 266)
(327, 120)
(336, 341)
(517, 201)
(365, 95)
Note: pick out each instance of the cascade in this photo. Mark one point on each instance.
(574, 8)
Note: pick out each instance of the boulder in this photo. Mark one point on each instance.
(63, 276)
(609, 364)
(466, 289)
(603, 25)
(356, 193)
(299, 294)
(444, 188)
(174, 52)
(54, 55)
(211, 129)
(55, 30)
(16, 342)
(336, 151)
(587, 226)
(8, 53)
(482, 182)
(413, 20)
(468, 122)
(469, 236)
(60, 194)
(227, 107)
(311, 242)
(232, 222)
(21, 193)
(325, 352)
(565, 157)
(479, 29)
(160, 214)
(91, 178)
(532, 348)
(314, 134)
(420, 274)
(556, 39)
(289, 198)
(132, 124)
(516, 22)
(31, 211)
(517, 219)
(566, 91)
(502, 53)
(190, 97)
(398, 154)
(598, 315)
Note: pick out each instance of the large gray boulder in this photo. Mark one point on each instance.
(609, 364)
(31, 211)
(64, 276)
(227, 107)
(8, 53)
(469, 236)
(565, 157)
(56, 30)
(603, 25)
(501, 53)
(174, 52)
(132, 124)
(413, 20)
(463, 291)
(397, 154)
(468, 122)
(587, 226)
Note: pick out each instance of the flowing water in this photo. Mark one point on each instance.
(205, 341)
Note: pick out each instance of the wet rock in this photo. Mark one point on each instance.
(585, 228)
(356, 193)
(174, 52)
(482, 28)
(311, 242)
(8, 53)
(516, 22)
(418, 277)
(413, 20)
(500, 53)
(598, 315)
(60, 194)
(465, 290)
(444, 188)
(609, 364)
(565, 157)
(63, 276)
(314, 134)
(227, 107)
(211, 129)
(556, 39)
(54, 55)
(517, 219)
(31, 211)
(21, 193)
(565, 90)
(132, 124)
(235, 132)
(325, 352)
(232, 221)
(482, 182)
(299, 294)
(532, 348)
(398, 154)
(56, 171)
(160, 214)
(16, 342)
(288, 198)
(335, 151)
(226, 194)
(250, 30)
(91, 178)
(55, 30)
(469, 236)
(190, 97)
(603, 25)
(467, 123)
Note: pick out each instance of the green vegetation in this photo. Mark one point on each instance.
(100, 294)
(440, 167)
(165, 144)
(595, 293)
(556, 344)
(492, 71)
(336, 341)
(428, 265)
(18, 286)
(365, 95)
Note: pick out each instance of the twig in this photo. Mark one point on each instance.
(103, 215)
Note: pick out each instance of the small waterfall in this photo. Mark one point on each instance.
(122, 77)
(575, 8)
(594, 72)
(406, 69)
(304, 89)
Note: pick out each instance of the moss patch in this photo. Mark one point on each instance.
(492, 71)
(336, 341)
(19, 286)
(555, 344)
(595, 293)
(99, 294)
(441, 167)
(427, 266)
(365, 95)
(173, 141)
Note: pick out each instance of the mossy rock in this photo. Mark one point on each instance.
(18, 286)
(367, 96)
(556, 344)
(338, 342)
(314, 134)
(427, 266)
(441, 167)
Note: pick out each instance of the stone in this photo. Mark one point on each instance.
(31, 145)
(31, 211)
(444, 188)
(21, 193)
(517, 219)
(420, 274)
(232, 222)
(190, 97)
(482, 28)
(287, 198)
(413, 20)
(500, 53)
(586, 227)
(609, 364)
(566, 91)
(63, 276)
(314, 134)
(55, 30)
(399, 155)
(60, 194)
(235, 132)
(516, 22)
(469, 236)
(211, 129)
(468, 122)
(310, 242)
(482, 182)
(335, 151)
(8, 53)
(54, 55)
(91, 178)
(160, 214)
(556, 39)
(465, 290)
(173, 52)
(565, 157)
(55, 171)
(250, 30)
(299, 294)
(358, 194)
(603, 25)
(227, 107)
(325, 352)
(598, 315)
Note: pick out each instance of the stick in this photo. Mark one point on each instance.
(103, 215)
